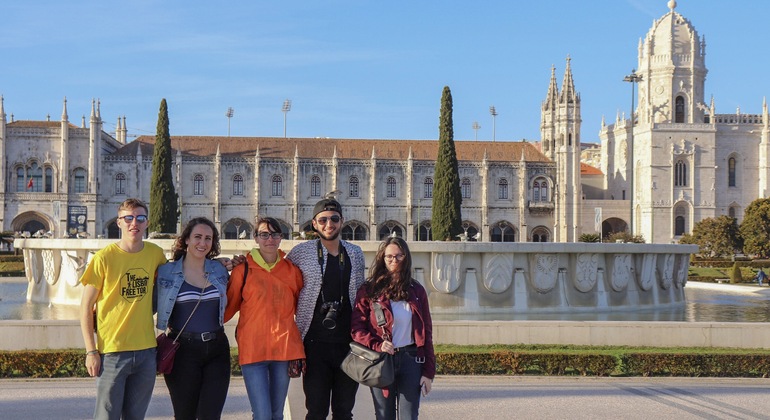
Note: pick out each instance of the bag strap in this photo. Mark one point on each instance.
(196, 307)
(381, 320)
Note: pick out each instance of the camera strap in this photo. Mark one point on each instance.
(379, 314)
(341, 258)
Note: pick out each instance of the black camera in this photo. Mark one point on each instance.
(329, 311)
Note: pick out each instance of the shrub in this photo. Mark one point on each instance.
(590, 237)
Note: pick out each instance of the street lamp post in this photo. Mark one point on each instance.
(632, 78)
(285, 109)
(493, 113)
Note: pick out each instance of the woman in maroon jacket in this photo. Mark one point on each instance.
(408, 333)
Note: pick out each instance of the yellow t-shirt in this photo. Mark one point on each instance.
(124, 305)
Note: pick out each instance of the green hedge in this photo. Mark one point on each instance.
(553, 361)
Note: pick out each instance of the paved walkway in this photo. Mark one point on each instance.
(455, 397)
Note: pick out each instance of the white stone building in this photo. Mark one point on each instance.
(689, 163)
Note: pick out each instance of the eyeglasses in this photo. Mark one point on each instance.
(397, 257)
(267, 235)
(139, 219)
(323, 220)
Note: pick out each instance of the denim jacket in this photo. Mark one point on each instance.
(170, 279)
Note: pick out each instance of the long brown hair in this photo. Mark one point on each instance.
(391, 285)
(180, 245)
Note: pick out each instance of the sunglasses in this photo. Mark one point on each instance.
(139, 219)
(323, 220)
(268, 235)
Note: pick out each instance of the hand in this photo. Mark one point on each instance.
(238, 260)
(93, 364)
(387, 347)
(425, 384)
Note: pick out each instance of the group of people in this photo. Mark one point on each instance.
(298, 313)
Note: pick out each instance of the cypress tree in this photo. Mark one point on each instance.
(163, 198)
(446, 220)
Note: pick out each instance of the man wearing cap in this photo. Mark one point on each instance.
(332, 270)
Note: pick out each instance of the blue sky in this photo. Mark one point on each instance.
(355, 69)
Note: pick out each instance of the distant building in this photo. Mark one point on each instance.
(689, 163)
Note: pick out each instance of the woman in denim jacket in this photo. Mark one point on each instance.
(192, 295)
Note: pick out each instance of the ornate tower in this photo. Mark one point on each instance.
(560, 134)
(673, 70)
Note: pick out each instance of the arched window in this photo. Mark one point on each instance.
(80, 181)
(277, 186)
(679, 113)
(731, 212)
(680, 214)
(354, 186)
(198, 184)
(680, 174)
(21, 183)
(502, 189)
(679, 225)
(428, 188)
(423, 232)
(315, 186)
(353, 231)
(731, 172)
(390, 229)
(48, 179)
(502, 232)
(465, 188)
(35, 174)
(120, 184)
(237, 184)
(391, 191)
(540, 234)
(540, 190)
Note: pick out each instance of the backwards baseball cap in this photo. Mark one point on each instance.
(327, 204)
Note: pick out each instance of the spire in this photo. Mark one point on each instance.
(2, 109)
(64, 116)
(83, 122)
(99, 109)
(567, 86)
(93, 109)
(553, 91)
(604, 123)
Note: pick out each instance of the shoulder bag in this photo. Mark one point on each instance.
(369, 367)
(167, 347)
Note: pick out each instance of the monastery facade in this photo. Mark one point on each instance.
(685, 163)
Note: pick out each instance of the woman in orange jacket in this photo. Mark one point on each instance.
(265, 291)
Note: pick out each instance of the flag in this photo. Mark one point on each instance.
(30, 183)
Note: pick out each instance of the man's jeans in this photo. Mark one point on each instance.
(125, 383)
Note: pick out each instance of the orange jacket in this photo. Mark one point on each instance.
(266, 329)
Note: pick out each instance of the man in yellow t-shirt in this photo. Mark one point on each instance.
(119, 280)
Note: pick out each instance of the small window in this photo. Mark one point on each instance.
(21, 184)
(198, 184)
(277, 186)
(680, 174)
(428, 188)
(315, 186)
(502, 189)
(120, 184)
(354, 186)
(731, 172)
(679, 116)
(391, 192)
(80, 181)
(237, 184)
(465, 188)
(48, 179)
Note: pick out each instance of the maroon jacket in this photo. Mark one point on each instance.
(366, 332)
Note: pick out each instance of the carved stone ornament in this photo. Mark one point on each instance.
(498, 272)
(622, 272)
(447, 269)
(587, 272)
(667, 272)
(546, 270)
(51, 267)
(648, 274)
